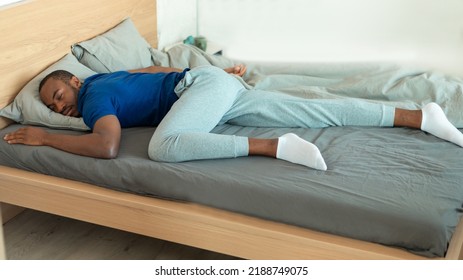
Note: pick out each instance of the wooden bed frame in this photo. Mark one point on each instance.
(39, 33)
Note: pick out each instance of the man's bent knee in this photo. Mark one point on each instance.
(161, 150)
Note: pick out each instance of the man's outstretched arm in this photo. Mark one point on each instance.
(103, 142)
(238, 70)
(155, 69)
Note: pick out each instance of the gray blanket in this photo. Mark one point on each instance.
(392, 84)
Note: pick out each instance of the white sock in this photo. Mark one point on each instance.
(435, 122)
(294, 149)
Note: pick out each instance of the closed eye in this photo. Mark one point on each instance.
(57, 96)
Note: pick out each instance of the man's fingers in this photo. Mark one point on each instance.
(15, 137)
(241, 69)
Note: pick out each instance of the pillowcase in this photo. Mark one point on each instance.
(121, 48)
(159, 58)
(27, 108)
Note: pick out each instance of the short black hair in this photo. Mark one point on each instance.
(62, 75)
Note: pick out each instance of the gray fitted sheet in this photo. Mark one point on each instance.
(393, 186)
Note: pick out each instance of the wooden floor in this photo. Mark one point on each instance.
(34, 235)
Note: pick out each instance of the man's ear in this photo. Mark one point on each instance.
(75, 82)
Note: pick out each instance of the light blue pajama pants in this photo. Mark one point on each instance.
(209, 97)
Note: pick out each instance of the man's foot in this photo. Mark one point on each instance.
(294, 149)
(435, 122)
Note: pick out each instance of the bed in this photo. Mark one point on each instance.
(234, 219)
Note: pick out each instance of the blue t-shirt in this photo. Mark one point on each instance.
(136, 99)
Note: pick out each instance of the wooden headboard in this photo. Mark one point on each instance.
(36, 33)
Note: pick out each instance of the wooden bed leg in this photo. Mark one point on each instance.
(455, 250)
(2, 240)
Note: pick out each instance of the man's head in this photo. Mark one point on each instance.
(59, 90)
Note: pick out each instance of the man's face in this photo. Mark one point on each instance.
(61, 97)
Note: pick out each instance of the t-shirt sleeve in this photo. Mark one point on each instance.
(96, 107)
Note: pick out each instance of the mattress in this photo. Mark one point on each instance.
(393, 186)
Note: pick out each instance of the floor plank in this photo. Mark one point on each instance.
(35, 235)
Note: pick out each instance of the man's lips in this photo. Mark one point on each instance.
(67, 111)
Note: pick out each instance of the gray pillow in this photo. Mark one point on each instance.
(121, 48)
(27, 108)
(159, 58)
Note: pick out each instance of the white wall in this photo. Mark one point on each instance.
(428, 31)
(176, 21)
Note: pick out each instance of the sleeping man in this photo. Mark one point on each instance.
(186, 105)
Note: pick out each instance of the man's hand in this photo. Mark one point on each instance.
(29, 135)
(238, 70)
(102, 142)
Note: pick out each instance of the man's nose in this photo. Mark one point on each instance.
(59, 106)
